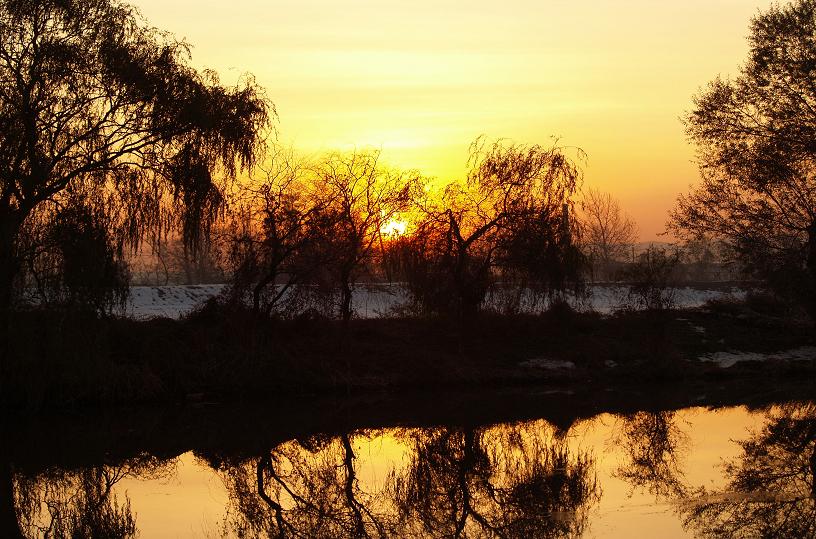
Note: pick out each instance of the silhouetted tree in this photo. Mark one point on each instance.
(506, 219)
(608, 233)
(754, 137)
(540, 259)
(273, 237)
(99, 108)
(702, 257)
(361, 197)
(652, 280)
(73, 260)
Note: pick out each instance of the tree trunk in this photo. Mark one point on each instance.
(811, 268)
(9, 230)
(6, 287)
(257, 290)
(8, 273)
(351, 479)
(345, 314)
(345, 300)
(266, 462)
(9, 266)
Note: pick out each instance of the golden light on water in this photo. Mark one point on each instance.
(422, 79)
(200, 500)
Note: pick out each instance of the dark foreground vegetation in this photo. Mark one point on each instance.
(215, 356)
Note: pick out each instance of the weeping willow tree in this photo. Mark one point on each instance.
(508, 222)
(107, 134)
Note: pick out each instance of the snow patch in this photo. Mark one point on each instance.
(168, 301)
(725, 360)
(549, 364)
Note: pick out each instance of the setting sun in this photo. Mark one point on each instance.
(394, 228)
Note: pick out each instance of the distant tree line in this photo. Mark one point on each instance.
(306, 232)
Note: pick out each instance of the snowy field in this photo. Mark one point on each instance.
(168, 301)
(379, 300)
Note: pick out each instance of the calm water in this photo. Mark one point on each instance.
(693, 472)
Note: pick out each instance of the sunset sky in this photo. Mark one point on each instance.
(422, 79)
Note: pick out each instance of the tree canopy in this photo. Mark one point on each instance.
(509, 220)
(98, 107)
(755, 138)
(609, 234)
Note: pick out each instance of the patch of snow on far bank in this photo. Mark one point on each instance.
(549, 364)
(606, 299)
(725, 360)
(168, 301)
(372, 301)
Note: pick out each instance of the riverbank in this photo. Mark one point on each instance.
(60, 360)
(112, 435)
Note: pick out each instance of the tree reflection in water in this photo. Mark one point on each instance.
(303, 489)
(771, 490)
(81, 504)
(508, 481)
(653, 445)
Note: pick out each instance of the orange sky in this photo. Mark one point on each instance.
(422, 78)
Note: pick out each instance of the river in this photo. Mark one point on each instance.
(547, 465)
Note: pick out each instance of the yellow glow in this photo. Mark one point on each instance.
(422, 79)
(394, 228)
(199, 497)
